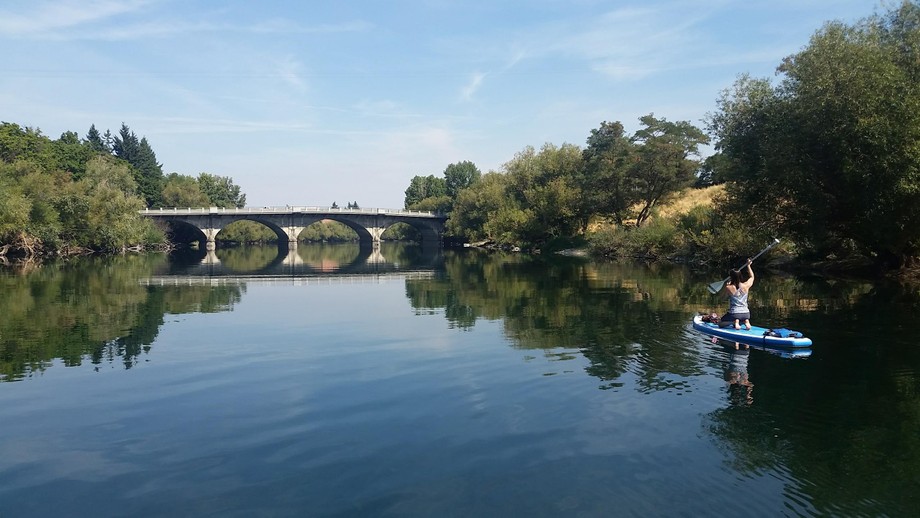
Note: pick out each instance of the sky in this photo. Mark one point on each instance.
(310, 103)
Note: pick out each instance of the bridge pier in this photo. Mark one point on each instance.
(292, 232)
(210, 235)
(375, 233)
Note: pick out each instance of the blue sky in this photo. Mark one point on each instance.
(306, 103)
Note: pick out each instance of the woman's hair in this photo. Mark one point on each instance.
(735, 277)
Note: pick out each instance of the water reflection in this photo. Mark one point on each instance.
(91, 310)
(309, 260)
(623, 317)
(740, 387)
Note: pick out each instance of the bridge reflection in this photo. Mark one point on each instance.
(270, 262)
(233, 280)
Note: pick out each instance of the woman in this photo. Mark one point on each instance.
(737, 299)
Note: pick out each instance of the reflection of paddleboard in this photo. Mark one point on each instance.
(796, 352)
(753, 336)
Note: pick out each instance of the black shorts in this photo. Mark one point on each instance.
(728, 319)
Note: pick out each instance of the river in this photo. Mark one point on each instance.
(341, 381)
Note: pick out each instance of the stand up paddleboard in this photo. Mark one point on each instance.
(753, 336)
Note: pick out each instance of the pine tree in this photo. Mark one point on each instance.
(95, 142)
(147, 171)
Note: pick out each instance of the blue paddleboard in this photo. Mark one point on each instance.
(753, 336)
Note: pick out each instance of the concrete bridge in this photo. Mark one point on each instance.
(289, 221)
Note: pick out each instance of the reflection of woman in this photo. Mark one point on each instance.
(740, 388)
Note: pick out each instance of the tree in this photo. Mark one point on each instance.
(70, 154)
(110, 221)
(106, 170)
(829, 157)
(711, 171)
(421, 187)
(459, 176)
(605, 182)
(147, 171)
(534, 201)
(94, 141)
(18, 142)
(14, 205)
(545, 186)
(663, 163)
(438, 204)
(221, 191)
(126, 146)
(183, 191)
(477, 205)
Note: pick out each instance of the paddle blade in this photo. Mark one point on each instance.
(714, 287)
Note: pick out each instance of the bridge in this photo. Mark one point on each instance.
(289, 221)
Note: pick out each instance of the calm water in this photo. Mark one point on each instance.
(336, 381)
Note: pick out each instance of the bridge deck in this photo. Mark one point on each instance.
(289, 209)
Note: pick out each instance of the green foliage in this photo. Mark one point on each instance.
(244, 231)
(459, 176)
(18, 143)
(535, 200)
(605, 182)
(663, 164)
(555, 192)
(421, 187)
(702, 235)
(71, 155)
(109, 171)
(660, 238)
(401, 232)
(14, 206)
(829, 157)
(181, 190)
(439, 204)
(147, 171)
(207, 190)
(221, 191)
(43, 208)
(102, 210)
(475, 205)
(113, 222)
(328, 231)
(95, 142)
(431, 193)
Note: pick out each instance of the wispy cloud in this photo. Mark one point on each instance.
(291, 72)
(635, 42)
(44, 17)
(285, 26)
(470, 89)
(516, 57)
(87, 20)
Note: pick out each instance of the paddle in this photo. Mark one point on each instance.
(716, 286)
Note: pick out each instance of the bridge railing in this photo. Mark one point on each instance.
(288, 209)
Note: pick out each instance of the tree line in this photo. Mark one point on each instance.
(828, 158)
(73, 194)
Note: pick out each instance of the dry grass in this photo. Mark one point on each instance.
(679, 204)
(684, 201)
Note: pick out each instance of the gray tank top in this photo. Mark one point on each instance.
(737, 302)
